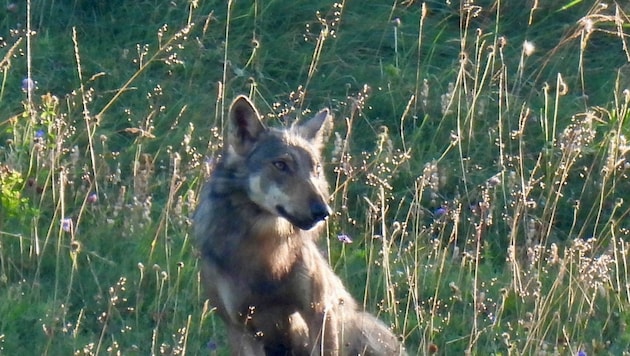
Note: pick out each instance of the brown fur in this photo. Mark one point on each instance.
(255, 227)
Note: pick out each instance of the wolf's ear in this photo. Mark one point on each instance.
(244, 126)
(318, 128)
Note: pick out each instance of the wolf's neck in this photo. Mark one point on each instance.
(275, 244)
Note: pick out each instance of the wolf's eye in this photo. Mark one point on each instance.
(281, 166)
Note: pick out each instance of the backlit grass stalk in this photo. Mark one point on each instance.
(221, 101)
(159, 312)
(90, 129)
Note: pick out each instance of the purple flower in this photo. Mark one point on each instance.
(28, 85)
(344, 238)
(440, 211)
(582, 353)
(92, 198)
(66, 224)
(40, 133)
(211, 345)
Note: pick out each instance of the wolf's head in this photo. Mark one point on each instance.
(281, 167)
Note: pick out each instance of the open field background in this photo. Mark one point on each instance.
(479, 166)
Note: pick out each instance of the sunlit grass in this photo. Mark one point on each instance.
(479, 167)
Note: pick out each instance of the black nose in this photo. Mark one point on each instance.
(319, 211)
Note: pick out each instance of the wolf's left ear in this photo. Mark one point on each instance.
(318, 128)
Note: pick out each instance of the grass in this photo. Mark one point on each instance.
(479, 165)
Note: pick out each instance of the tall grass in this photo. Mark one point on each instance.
(479, 166)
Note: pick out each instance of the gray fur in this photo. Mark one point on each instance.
(256, 225)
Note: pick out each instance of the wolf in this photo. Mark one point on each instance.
(255, 227)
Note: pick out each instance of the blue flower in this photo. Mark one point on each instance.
(40, 133)
(66, 224)
(212, 345)
(440, 211)
(28, 85)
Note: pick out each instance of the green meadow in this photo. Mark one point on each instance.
(479, 166)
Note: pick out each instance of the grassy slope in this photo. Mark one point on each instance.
(493, 180)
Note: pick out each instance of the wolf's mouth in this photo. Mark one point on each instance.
(304, 224)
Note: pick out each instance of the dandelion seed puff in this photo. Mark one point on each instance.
(528, 48)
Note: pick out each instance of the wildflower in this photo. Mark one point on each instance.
(581, 353)
(40, 133)
(92, 198)
(28, 85)
(494, 180)
(212, 345)
(440, 211)
(66, 224)
(344, 238)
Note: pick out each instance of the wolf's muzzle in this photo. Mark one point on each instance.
(319, 211)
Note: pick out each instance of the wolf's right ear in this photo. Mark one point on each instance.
(244, 126)
(318, 128)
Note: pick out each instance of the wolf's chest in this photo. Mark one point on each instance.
(247, 298)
